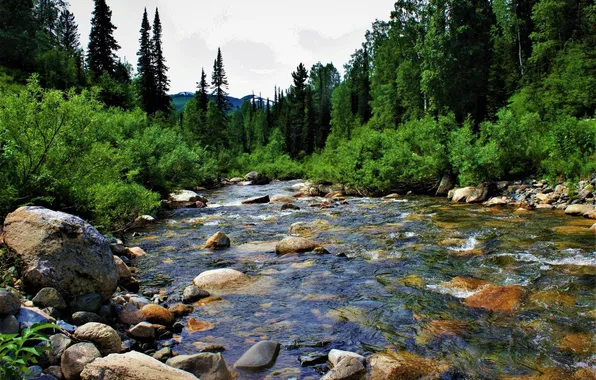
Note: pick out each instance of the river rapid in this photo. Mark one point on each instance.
(386, 283)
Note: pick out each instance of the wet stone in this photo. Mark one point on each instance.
(312, 358)
(81, 317)
(9, 303)
(49, 297)
(260, 356)
(192, 294)
(89, 302)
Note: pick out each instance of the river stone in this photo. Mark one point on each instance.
(192, 294)
(447, 183)
(461, 195)
(124, 272)
(257, 178)
(349, 368)
(185, 196)
(132, 366)
(76, 357)
(335, 356)
(58, 344)
(139, 301)
(9, 303)
(280, 198)
(218, 241)
(579, 209)
(49, 297)
(60, 251)
(143, 330)
(206, 366)
(497, 298)
(88, 302)
(9, 325)
(54, 371)
(262, 355)
(158, 314)
(28, 316)
(312, 358)
(496, 201)
(256, 200)
(83, 317)
(402, 365)
(180, 310)
(104, 336)
(478, 195)
(135, 252)
(131, 315)
(219, 278)
(289, 206)
(294, 245)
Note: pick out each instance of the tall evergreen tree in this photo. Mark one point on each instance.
(203, 97)
(295, 127)
(219, 82)
(162, 83)
(17, 31)
(101, 56)
(146, 71)
(68, 33)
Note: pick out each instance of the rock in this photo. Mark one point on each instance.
(58, 344)
(139, 301)
(218, 241)
(76, 357)
(544, 207)
(132, 366)
(334, 194)
(261, 355)
(257, 178)
(579, 209)
(219, 278)
(105, 337)
(280, 198)
(124, 272)
(49, 297)
(305, 229)
(135, 252)
(88, 302)
(256, 200)
(349, 368)
(83, 317)
(496, 201)
(545, 198)
(205, 366)
(461, 195)
(192, 294)
(295, 245)
(180, 310)
(312, 358)
(478, 195)
(497, 298)
(163, 354)
(28, 316)
(335, 356)
(158, 314)
(184, 199)
(403, 365)
(236, 180)
(131, 315)
(208, 347)
(464, 283)
(143, 331)
(9, 325)
(593, 228)
(447, 184)
(195, 325)
(66, 326)
(60, 251)
(144, 220)
(578, 343)
(289, 206)
(53, 371)
(9, 303)
(34, 372)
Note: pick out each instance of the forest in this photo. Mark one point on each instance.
(480, 90)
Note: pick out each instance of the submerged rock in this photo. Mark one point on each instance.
(403, 365)
(192, 294)
(132, 366)
(206, 366)
(260, 356)
(335, 356)
(218, 241)
(295, 245)
(289, 206)
(256, 200)
(61, 251)
(219, 278)
(497, 298)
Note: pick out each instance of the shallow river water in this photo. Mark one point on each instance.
(383, 285)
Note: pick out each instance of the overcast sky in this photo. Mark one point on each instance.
(262, 41)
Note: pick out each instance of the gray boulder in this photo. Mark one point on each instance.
(9, 303)
(49, 297)
(76, 357)
(261, 355)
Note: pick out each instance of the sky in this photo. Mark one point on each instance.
(262, 41)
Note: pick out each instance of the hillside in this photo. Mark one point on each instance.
(182, 98)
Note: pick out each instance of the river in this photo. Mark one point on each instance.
(385, 281)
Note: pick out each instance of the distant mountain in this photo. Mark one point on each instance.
(182, 98)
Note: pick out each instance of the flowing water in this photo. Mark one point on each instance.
(383, 285)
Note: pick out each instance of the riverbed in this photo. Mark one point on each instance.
(386, 282)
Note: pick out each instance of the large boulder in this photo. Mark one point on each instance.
(579, 209)
(132, 366)
(9, 303)
(447, 184)
(60, 251)
(184, 199)
(104, 337)
(479, 194)
(295, 245)
(218, 241)
(262, 355)
(205, 366)
(76, 357)
(49, 297)
(461, 195)
(219, 278)
(257, 178)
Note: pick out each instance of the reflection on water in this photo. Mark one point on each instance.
(388, 282)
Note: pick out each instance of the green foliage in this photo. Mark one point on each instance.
(17, 351)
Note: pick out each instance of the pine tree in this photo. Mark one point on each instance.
(101, 56)
(162, 83)
(68, 33)
(145, 68)
(202, 93)
(219, 81)
(17, 32)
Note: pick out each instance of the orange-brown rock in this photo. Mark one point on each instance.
(403, 366)
(195, 325)
(207, 300)
(334, 194)
(439, 328)
(158, 314)
(579, 343)
(465, 283)
(218, 241)
(136, 252)
(497, 298)
(180, 310)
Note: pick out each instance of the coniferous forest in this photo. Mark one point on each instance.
(480, 90)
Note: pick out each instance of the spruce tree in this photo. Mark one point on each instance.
(101, 56)
(145, 68)
(68, 33)
(17, 32)
(162, 83)
(202, 93)
(219, 81)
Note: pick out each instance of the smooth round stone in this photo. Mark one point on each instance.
(9, 325)
(88, 302)
(82, 317)
(218, 278)
(262, 355)
(143, 330)
(76, 357)
(104, 336)
(49, 297)
(9, 303)
(192, 294)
